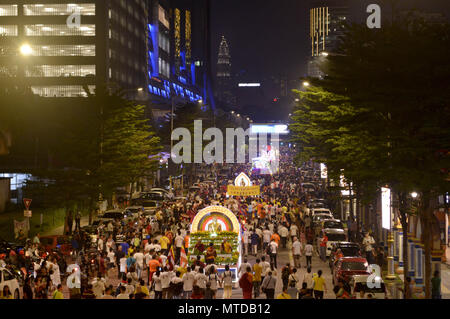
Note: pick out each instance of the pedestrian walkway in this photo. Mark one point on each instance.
(60, 230)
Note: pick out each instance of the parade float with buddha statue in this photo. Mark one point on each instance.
(219, 226)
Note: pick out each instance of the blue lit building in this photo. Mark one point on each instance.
(175, 54)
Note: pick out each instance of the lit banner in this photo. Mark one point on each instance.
(386, 208)
(243, 191)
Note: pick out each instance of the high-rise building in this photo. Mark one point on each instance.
(224, 86)
(327, 24)
(102, 42)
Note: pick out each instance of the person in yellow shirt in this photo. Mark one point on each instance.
(164, 242)
(319, 285)
(58, 293)
(143, 288)
(257, 271)
(284, 294)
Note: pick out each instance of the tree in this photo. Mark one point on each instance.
(382, 113)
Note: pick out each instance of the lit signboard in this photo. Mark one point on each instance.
(281, 129)
(323, 171)
(386, 208)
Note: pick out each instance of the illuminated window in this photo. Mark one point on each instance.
(8, 30)
(62, 90)
(8, 10)
(162, 16)
(63, 50)
(59, 30)
(60, 70)
(87, 9)
(177, 32)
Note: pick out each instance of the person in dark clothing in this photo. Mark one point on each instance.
(69, 222)
(27, 290)
(78, 221)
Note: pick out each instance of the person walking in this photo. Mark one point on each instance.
(246, 283)
(308, 254)
(436, 286)
(319, 285)
(297, 252)
(323, 247)
(368, 241)
(78, 221)
(268, 285)
(257, 271)
(273, 250)
(227, 282)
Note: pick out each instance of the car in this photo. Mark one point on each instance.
(348, 249)
(360, 288)
(134, 211)
(194, 189)
(57, 242)
(92, 229)
(319, 218)
(155, 195)
(334, 235)
(112, 215)
(7, 278)
(347, 267)
(315, 211)
(332, 224)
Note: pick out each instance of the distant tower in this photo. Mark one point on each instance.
(224, 89)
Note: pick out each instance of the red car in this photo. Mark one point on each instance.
(53, 242)
(347, 267)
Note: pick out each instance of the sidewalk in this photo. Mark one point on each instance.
(60, 230)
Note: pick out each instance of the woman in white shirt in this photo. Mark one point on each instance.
(227, 281)
(213, 279)
(156, 279)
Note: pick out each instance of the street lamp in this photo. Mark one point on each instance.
(140, 89)
(26, 49)
(306, 84)
(325, 54)
(232, 112)
(414, 195)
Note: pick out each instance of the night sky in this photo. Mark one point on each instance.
(271, 37)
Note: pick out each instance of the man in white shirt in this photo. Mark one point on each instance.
(179, 240)
(123, 293)
(308, 279)
(308, 253)
(284, 232)
(273, 253)
(294, 231)
(200, 280)
(100, 243)
(266, 238)
(243, 267)
(245, 240)
(188, 283)
(297, 252)
(265, 266)
(165, 283)
(139, 256)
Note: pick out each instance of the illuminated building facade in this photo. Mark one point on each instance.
(327, 24)
(224, 89)
(40, 50)
(175, 54)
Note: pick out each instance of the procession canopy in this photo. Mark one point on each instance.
(243, 187)
(215, 219)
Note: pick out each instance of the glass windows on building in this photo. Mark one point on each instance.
(62, 90)
(8, 30)
(59, 30)
(164, 42)
(8, 10)
(164, 68)
(60, 71)
(63, 50)
(87, 9)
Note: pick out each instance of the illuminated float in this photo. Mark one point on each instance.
(216, 224)
(243, 187)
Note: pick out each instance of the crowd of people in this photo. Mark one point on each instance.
(146, 256)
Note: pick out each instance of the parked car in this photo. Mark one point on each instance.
(347, 267)
(112, 215)
(57, 242)
(332, 224)
(321, 211)
(134, 211)
(308, 187)
(361, 290)
(155, 195)
(334, 235)
(7, 278)
(319, 218)
(348, 250)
